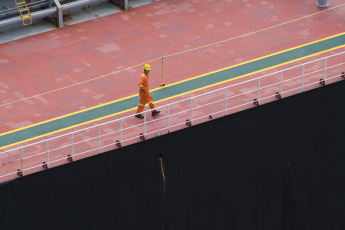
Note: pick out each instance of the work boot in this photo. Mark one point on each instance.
(154, 113)
(139, 115)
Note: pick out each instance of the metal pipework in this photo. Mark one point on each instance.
(33, 5)
(51, 12)
(71, 5)
(35, 15)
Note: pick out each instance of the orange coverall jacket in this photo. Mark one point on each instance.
(144, 83)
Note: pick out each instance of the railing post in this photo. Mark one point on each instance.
(259, 91)
(303, 78)
(191, 111)
(121, 131)
(99, 139)
(225, 99)
(22, 160)
(325, 70)
(72, 137)
(47, 153)
(168, 119)
(281, 83)
(145, 124)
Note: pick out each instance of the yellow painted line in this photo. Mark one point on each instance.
(67, 115)
(241, 76)
(260, 58)
(177, 53)
(165, 99)
(70, 127)
(251, 33)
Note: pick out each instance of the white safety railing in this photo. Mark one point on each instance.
(126, 130)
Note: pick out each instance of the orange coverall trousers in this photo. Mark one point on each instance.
(145, 98)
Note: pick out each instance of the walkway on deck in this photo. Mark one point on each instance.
(69, 78)
(171, 91)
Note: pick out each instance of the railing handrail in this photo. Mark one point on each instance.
(118, 119)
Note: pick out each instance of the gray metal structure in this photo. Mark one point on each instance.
(121, 3)
(59, 13)
(9, 9)
(322, 3)
(48, 8)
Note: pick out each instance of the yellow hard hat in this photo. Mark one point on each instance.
(147, 67)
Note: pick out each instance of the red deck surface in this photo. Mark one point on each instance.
(61, 58)
(55, 65)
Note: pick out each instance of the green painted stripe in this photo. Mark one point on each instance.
(173, 90)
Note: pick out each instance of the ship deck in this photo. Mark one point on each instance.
(86, 73)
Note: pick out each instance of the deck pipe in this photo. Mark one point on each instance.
(322, 3)
(49, 12)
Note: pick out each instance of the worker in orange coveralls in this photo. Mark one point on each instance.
(144, 93)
